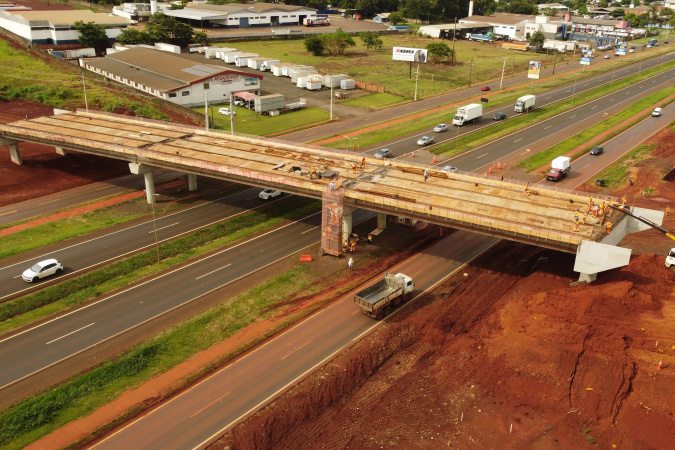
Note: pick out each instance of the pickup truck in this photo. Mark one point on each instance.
(559, 168)
(377, 300)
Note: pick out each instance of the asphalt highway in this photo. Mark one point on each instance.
(82, 256)
(407, 144)
(238, 389)
(54, 342)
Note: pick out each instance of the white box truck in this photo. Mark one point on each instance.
(525, 103)
(559, 168)
(377, 300)
(467, 114)
(267, 65)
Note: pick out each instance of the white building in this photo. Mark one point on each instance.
(172, 77)
(139, 11)
(55, 27)
(238, 15)
(551, 29)
(503, 24)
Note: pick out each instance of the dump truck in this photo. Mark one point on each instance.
(559, 168)
(467, 114)
(525, 103)
(377, 300)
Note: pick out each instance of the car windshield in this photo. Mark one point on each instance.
(457, 117)
(36, 268)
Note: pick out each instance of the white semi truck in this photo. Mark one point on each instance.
(377, 300)
(468, 114)
(525, 103)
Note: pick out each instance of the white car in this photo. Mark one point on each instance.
(441, 127)
(449, 169)
(656, 112)
(267, 194)
(42, 269)
(631, 51)
(425, 140)
(227, 112)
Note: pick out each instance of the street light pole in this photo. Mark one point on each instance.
(86, 105)
(503, 67)
(350, 142)
(454, 32)
(470, 71)
(417, 77)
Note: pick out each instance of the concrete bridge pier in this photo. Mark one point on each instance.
(594, 257)
(192, 181)
(382, 221)
(149, 180)
(60, 151)
(347, 221)
(15, 154)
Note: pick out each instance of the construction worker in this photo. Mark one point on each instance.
(590, 201)
(623, 200)
(426, 175)
(350, 263)
(313, 173)
(354, 168)
(576, 214)
(667, 210)
(331, 185)
(344, 247)
(363, 163)
(576, 225)
(353, 246)
(609, 227)
(370, 238)
(584, 222)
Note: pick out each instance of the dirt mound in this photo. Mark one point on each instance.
(564, 366)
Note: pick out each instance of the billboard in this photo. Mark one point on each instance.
(586, 55)
(621, 50)
(410, 54)
(534, 70)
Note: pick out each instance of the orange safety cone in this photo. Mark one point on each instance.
(358, 146)
(404, 156)
(512, 165)
(306, 258)
(434, 162)
(413, 154)
(659, 366)
(490, 171)
(485, 176)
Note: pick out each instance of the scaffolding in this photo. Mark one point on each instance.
(331, 221)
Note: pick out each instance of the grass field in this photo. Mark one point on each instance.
(248, 122)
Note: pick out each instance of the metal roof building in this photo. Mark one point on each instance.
(172, 77)
(238, 15)
(55, 27)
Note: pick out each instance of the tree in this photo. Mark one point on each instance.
(438, 51)
(537, 39)
(163, 28)
(314, 45)
(396, 17)
(132, 36)
(200, 38)
(336, 43)
(618, 13)
(371, 39)
(91, 34)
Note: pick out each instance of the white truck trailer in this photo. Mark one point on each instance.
(267, 65)
(525, 103)
(377, 300)
(468, 114)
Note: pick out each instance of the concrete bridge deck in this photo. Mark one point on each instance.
(459, 200)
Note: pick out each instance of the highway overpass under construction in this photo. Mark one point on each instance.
(541, 216)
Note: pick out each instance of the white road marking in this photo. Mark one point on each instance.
(72, 332)
(221, 268)
(289, 354)
(518, 140)
(9, 212)
(485, 154)
(210, 404)
(548, 127)
(573, 116)
(50, 201)
(150, 232)
(318, 226)
(594, 107)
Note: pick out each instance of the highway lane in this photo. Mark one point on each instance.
(407, 144)
(241, 387)
(516, 146)
(588, 166)
(55, 341)
(76, 196)
(82, 256)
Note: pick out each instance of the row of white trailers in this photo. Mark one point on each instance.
(305, 77)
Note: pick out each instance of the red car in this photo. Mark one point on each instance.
(485, 88)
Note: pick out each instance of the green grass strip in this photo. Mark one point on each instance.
(505, 100)
(35, 417)
(615, 174)
(544, 157)
(249, 122)
(26, 309)
(375, 101)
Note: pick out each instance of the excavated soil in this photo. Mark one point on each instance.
(506, 355)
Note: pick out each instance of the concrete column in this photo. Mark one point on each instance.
(192, 181)
(149, 187)
(60, 151)
(149, 180)
(594, 257)
(382, 221)
(14, 154)
(346, 226)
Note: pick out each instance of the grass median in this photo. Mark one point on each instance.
(584, 139)
(24, 310)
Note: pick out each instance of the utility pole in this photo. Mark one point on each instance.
(503, 67)
(454, 32)
(206, 111)
(417, 77)
(470, 71)
(86, 105)
(231, 114)
(331, 98)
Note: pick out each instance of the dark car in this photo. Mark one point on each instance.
(485, 88)
(499, 116)
(596, 150)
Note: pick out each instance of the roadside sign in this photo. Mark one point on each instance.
(410, 54)
(534, 70)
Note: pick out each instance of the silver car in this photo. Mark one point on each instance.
(267, 194)
(382, 153)
(42, 269)
(449, 169)
(425, 140)
(441, 127)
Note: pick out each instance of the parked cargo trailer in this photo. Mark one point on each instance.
(291, 70)
(348, 84)
(302, 73)
(229, 57)
(377, 300)
(316, 85)
(267, 64)
(242, 59)
(278, 69)
(334, 80)
(267, 103)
